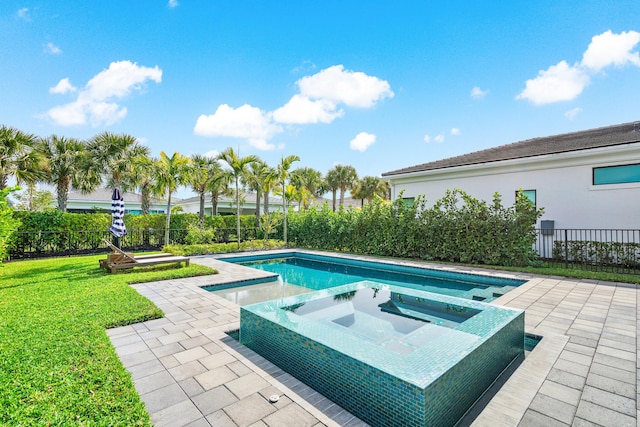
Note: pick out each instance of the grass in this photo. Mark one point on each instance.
(572, 273)
(57, 365)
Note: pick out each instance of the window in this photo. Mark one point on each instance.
(529, 194)
(408, 201)
(616, 174)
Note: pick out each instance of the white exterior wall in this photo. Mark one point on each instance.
(563, 184)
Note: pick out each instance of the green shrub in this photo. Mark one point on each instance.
(221, 248)
(197, 235)
(8, 223)
(457, 228)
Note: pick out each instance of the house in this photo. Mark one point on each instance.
(227, 204)
(583, 180)
(100, 201)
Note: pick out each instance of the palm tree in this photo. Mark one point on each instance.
(201, 171)
(282, 176)
(348, 178)
(64, 168)
(112, 156)
(254, 180)
(345, 178)
(309, 182)
(238, 167)
(218, 186)
(142, 177)
(367, 188)
(171, 172)
(270, 176)
(332, 183)
(20, 157)
(384, 190)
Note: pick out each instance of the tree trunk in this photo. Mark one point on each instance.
(238, 211)
(63, 192)
(284, 206)
(145, 199)
(214, 204)
(168, 220)
(342, 197)
(266, 203)
(201, 208)
(333, 193)
(257, 208)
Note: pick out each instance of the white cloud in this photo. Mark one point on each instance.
(63, 86)
(560, 82)
(478, 93)
(455, 131)
(317, 102)
(24, 14)
(301, 110)
(612, 49)
(362, 141)
(211, 154)
(355, 89)
(427, 138)
(120, 79)
(95, 103)
(571, 114)
(52, 49)
(243, 122)
(173, 3)
(439, 138)
(304, 67)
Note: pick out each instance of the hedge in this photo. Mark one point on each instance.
(457, 228)
(59, 232)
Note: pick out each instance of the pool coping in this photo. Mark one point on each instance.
(523, 397)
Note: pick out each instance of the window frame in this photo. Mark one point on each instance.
(535, 196)
(596, 168)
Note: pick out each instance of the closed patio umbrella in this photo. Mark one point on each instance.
(117, 212)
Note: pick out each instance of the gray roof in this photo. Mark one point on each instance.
(104, 194)
(249, 197)
(626, 133)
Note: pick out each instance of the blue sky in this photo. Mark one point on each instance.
(378, 85)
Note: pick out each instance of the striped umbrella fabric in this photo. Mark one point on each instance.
(117, 213)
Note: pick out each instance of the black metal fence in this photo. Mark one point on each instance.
(607, 250)
(597, 250)
(43, 244)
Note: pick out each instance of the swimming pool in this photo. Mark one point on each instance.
(301, 272)
(393, 356)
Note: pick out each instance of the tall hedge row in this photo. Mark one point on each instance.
(55, 220)
(457, 228)
(57, 232)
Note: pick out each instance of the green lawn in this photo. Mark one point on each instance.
(57, 365)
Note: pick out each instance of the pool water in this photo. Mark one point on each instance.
(301, 273)
(398, 322)
(393, 356)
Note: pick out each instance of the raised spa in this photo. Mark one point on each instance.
(390, 355)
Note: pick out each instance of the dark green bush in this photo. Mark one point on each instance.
(59, 232)
(457, 228)
(221, 248)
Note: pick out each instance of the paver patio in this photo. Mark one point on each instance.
(189, 372)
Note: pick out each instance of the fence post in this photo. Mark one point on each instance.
(566, 249)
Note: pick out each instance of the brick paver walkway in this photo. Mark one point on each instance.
(188, 372)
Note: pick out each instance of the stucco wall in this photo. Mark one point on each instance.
(563, 185)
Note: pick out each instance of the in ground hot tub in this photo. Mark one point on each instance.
(392, 356)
